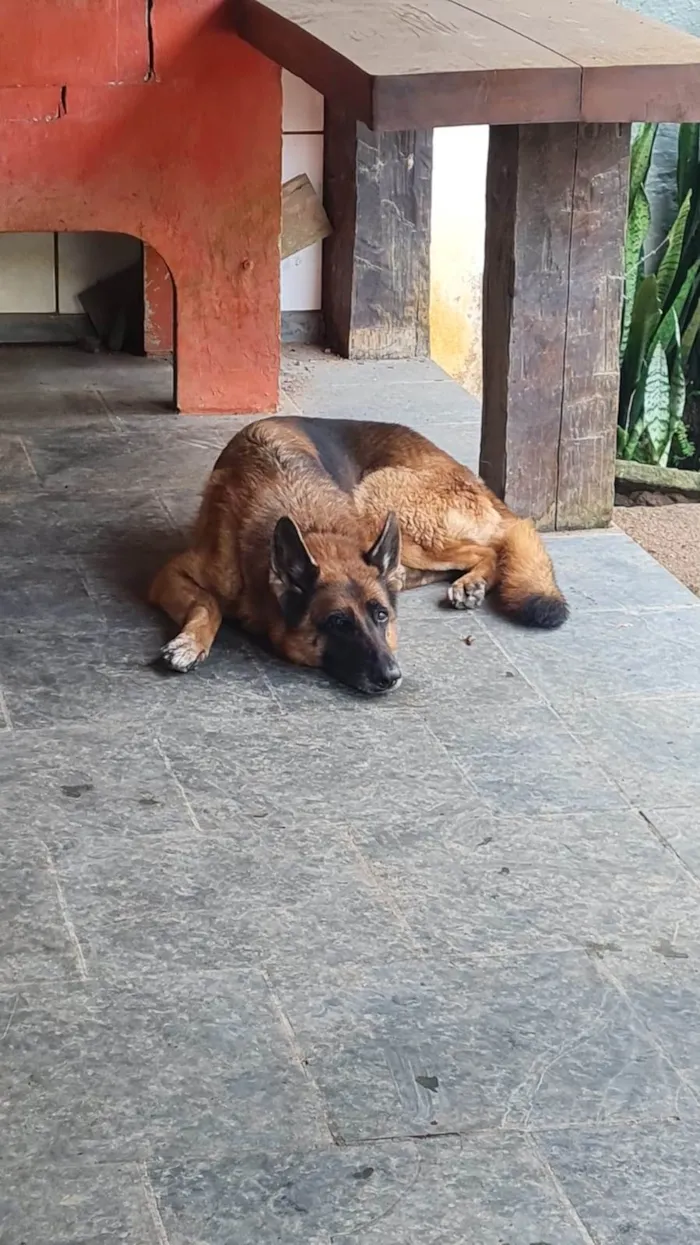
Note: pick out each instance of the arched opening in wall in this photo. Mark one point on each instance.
(67, 296)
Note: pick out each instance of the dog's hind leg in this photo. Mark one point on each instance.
(478, 565)
(177, 590)
(419, 579)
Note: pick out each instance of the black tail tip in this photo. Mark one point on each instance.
(547, 613)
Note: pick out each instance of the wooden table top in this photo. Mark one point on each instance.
(416, 64)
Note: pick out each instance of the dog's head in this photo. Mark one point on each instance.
(338, 603)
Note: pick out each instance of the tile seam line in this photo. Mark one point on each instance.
(607, 974)
(613, 783)
(468, 8)
(71, 932)
(565, 1201)
(297, 1052)
(668, 846)
(151, 1200)
(172, 774)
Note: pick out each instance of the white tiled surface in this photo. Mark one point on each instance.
(27, 281)
(301, 273)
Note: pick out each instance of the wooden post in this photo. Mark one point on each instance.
(556, 212)
(376, 263)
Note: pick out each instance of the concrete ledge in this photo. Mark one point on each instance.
(630, 476)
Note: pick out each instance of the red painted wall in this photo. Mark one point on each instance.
(158, 305)
(187, 159)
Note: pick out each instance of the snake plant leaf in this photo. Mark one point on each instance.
(690, 333)
(682, 445)
(669, 327)
(643, 325)
(669, 266)
(676, 406)
(640, 157)
(637, 230)
(657, 402)
(688, 170)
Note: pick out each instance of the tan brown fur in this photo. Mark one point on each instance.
(449, 521)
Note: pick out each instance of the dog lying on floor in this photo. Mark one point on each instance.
(308, 530)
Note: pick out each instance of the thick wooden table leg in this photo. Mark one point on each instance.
(376, 263)
(556, 211)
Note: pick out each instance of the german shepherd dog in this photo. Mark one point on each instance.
(309, 529)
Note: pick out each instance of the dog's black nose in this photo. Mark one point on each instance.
(389, 678)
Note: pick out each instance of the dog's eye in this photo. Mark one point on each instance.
(339, 622)
(379, 613)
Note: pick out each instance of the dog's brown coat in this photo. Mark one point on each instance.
(338, 480)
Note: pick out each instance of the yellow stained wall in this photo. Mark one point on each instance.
(457, 251)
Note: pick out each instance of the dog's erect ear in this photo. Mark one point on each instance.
(292, 569)
(385, 554)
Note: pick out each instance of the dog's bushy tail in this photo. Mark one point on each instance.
(527, 588)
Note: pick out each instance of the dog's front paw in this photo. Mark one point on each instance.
(466, 596)
(182, 654)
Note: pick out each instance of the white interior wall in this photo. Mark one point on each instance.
(27, 275)
(30, 281)
(302, 152)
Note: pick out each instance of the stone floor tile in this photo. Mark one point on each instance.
(47, 409)
(441, 1192)
(461, 440)
(171, 903)
(120, 587)
(86, 784)
(309, 365)
(478, 883)
(68, 680)
(419, 405)
(663, 988)
(48, 1203)
(34, 939)
(210, 430)
(16, 470)
(41, 594)
(522, 760)
(680, 829)
(649, 746)
(608, 571)
(300, 768)
(117, 530)
(70, 376)
(635, 1185)
(607, 654)
(442, 1046)
(91, 462)
(169, 1065)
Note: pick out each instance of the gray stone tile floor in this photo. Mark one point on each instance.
(280, 965)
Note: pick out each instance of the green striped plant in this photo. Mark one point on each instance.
(661, 310)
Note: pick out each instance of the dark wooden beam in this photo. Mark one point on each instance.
(376, 263)
(400, 66)
(556, 212)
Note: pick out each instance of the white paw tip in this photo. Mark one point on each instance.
(182, 654)
(466, 596)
